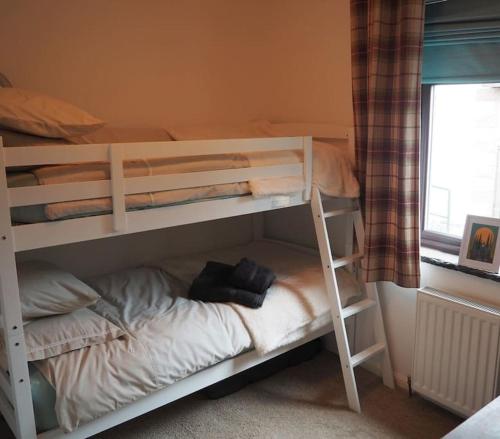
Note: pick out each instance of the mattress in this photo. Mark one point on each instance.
(171, 337)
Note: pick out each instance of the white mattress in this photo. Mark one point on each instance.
(170, 337)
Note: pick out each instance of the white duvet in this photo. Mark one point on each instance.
(170, 337)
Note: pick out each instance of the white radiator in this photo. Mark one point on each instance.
(456, 354)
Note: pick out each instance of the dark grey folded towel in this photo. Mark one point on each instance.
(247, 275)
(224, 294)
(212, 285)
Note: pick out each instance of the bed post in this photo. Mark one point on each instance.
(308, 167)
(16, 404)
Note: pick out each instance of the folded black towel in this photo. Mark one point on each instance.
(212, 285)
(247, 275)
(226, 294)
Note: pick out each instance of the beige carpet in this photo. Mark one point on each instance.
(307, 401)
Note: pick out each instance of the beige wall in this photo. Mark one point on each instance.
(162, 62)
(169, 61)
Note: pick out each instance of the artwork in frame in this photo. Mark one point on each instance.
(480, 247)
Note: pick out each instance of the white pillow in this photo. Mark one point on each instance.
(56, 335)
(41, 115)
(46, 290)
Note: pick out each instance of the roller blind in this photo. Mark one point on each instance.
(462, 42)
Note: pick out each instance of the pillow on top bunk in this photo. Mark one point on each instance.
(34, 113)
(15, 138)
(46, 290)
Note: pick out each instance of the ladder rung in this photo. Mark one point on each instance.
(368, 353)
(346, 260)
(358, 307)
(338, 212)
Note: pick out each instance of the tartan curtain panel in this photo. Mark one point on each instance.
(387, 38)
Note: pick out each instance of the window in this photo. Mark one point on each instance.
(460, 159)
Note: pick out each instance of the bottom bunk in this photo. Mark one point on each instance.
(166, 346)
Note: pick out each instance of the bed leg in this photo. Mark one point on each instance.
(16, 404)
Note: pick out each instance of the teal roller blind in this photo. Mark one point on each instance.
(462, 42)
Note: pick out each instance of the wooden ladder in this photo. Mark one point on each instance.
(339, 314)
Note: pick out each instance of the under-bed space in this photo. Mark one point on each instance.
(169, 337)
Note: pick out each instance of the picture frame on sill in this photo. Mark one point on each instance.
(480, 247)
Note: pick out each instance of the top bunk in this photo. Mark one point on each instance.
(102, 190)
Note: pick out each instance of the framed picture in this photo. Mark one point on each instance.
(480, 247)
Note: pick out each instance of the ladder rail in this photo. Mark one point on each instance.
(334, 297)
(339, 314)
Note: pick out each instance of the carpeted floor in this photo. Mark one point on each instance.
(307, 401)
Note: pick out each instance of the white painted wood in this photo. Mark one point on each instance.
(308, 167)
(63, 154)
(346, 260)
(367, 353)
(358, 307)
(55, 193)
(339, 212)
(55, 154)
(339, 315)
(10, 305)
(137, 185)
(118, 188)
(32, 236)
(334, 297)
(188, 148)
(456, 354)
(180, 389)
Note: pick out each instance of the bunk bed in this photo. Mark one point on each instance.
(275, 173)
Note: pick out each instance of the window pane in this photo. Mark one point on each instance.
(464, 156)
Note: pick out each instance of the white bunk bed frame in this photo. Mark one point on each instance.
(15, 393)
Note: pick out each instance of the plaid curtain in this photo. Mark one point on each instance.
(387, 38)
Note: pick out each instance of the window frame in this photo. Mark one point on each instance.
(435, 240)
